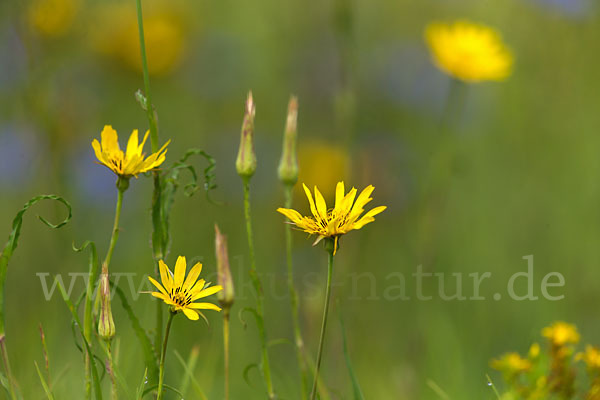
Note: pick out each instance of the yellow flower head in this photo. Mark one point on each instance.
(180, 294)
(468, 51)
(131, 162)
(332, 223)
(560, 333)
(511, 363)
(52, 18)
(591, 357)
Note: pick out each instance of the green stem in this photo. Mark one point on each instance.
(163, 355)
(294, 300)
(113, 380)
(148, 94)
(226, 349)
(115, 231)
(324, 323)
(153, 126)
(266, 369)
(7, 370)
(454, 106)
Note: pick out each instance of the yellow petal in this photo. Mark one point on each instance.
(110, 141)
(192, 276)
(141, 146)
(198, 286)
(132, 145)
(321, 205)
(160, 296)
(204, 306)
(368, 217)
(292, 215)
(191, 314)
(180, 267)
(361, 201)
(98, 151)
(158, 285)
(207, 292)
(165, 275)
(313, 209)
(339, 194)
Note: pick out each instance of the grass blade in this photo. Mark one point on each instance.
(49, 394)
(358, 395)
(189, 372)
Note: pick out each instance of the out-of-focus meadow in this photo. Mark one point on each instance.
(523, 179)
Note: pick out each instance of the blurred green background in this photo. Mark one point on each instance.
(515, 174)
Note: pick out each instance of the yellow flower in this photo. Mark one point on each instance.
(180, 294)
(128, 163)
(165, 34)
(511, 363)
(468, 51)
(591, 357)
(560, 333)
(332, 223)
(52, 18)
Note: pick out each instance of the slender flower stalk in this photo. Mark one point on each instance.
(246, 166)
(159, 249)
(225, 296)
(288, 175)
(161, 368)
(329, 247)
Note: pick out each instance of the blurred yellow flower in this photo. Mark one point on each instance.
(560, 333)
(52, 18)
(511, 363)
(534, 351)
(333, 223)
(468, 51)
(180, 294)
(164, 32)
(131, 162)
(322, 164)
(591, 357)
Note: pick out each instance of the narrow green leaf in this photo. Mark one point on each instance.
(140, 391)
(438, 390)
(49, 394)
(188, 367)
(149, 355)
(358, 395)
(71, 307)
(491, 384)
(13, 241)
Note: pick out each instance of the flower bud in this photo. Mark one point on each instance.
(106, 325)
(288, 165)
(225, 296)
(246, 159)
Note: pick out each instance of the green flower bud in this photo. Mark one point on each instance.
(227, 295)
(288, 165)
(246, 159)
(106, 325)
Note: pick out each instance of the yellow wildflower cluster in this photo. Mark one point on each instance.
(551, 374)
(52, 18)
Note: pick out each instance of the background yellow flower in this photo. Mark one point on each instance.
(468, 51)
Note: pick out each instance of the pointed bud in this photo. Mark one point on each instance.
(246, 159)
(225, 296)
(288, 165)
(106, 325)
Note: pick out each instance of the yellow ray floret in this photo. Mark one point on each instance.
(180, 292)
(561, 333)
(468, 51)
(131, 162)
(332, 223)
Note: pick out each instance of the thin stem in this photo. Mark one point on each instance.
(163, 354)
(115, 231)
(148, 94)
(294, 300)
(226, 349)
(324, 324)
(7, 369)
(266, 369)
(111, 367)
